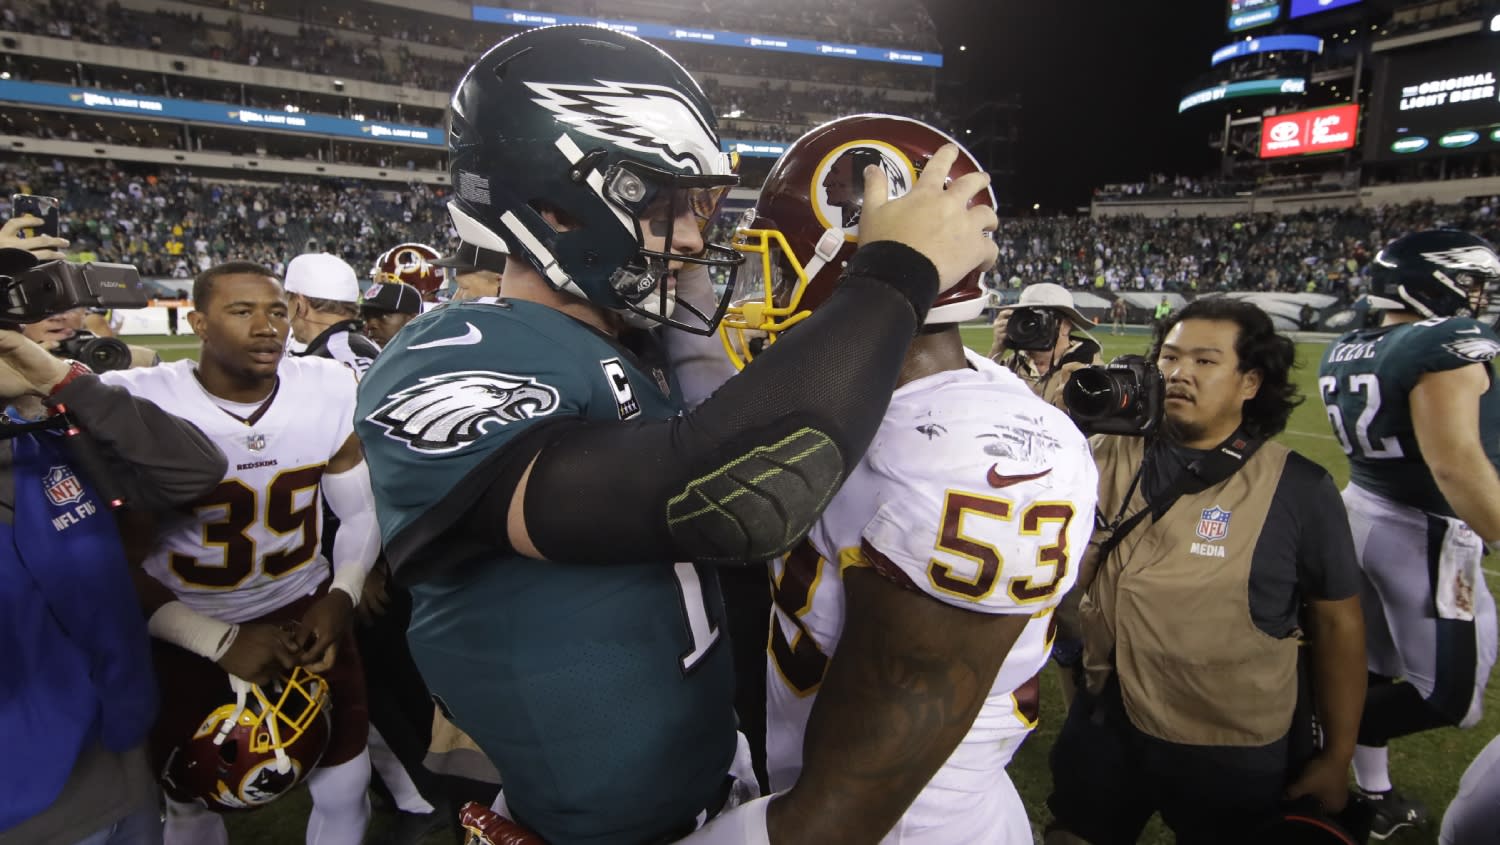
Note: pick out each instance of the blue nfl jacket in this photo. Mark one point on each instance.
(75, 659)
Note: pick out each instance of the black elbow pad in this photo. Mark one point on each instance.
(759, 505)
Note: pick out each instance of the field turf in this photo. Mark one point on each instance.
(1426, 766)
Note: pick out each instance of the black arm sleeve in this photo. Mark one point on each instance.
(161, 461)
(745, 475)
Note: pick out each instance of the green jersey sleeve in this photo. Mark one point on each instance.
(1449, 343)
(442, 404)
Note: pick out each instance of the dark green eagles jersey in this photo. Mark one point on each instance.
(601, 693)
(1365, 380)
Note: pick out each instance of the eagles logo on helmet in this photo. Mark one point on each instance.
(1436, 273)
(563, 141)
(255, 747)
(411, 264)
(805, 226)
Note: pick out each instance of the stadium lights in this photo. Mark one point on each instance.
(291, 109)
(962, 48)
(357, 116)
(734, 113)
(5, 75)
(1495, 24)
(1036, 206)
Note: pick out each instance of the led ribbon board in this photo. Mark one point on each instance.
(720, 38)
(1235, 90)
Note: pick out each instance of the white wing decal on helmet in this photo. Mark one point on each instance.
(445, 412)
(649, 119)
(1472, 258)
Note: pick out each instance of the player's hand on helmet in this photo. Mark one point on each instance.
(26, 369)
(43, 247)
(1325, 778)
(323, 625)
(935, 222)
(261, 653)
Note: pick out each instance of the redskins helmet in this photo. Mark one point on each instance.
(603, 132)
(1437, 273)
(253, 748)
(805, 226)
(410, 264)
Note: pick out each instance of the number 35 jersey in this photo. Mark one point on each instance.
(251, 544)
(980, 495)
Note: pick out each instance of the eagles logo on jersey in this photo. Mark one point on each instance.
(445, 412)
(1476, 349)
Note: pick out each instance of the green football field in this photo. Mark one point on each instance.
(1426, 766)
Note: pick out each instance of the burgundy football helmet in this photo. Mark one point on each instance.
(805, 226)
(411, 264)
(255, 747)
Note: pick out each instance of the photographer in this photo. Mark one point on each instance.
(1042, 339)
(1220, 553)
(79, 696)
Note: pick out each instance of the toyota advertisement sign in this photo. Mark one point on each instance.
(1327, 130)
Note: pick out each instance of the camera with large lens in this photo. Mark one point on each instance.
(1032, 329)
(32, 290)
(1123, 397)
(99, 353)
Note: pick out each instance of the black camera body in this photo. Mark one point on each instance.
(32, 290)
(1123, 397)
(1032, 329)
(99, 353)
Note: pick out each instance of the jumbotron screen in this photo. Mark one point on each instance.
(1437, 101)
(1328, 130)
(1249, 14)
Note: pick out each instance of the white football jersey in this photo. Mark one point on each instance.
(251, 544)
(981, 496)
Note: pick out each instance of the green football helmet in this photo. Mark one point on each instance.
(606, 133)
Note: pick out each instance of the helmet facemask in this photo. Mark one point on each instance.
(766, 295)
(652, 200)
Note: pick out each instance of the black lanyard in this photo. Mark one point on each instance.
(1218, 464)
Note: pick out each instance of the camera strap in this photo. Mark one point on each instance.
(1215, 466)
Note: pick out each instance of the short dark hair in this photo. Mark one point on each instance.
(1259, 347)
(203, 284)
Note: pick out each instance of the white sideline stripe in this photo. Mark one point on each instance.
(1313, 434)
(1491, 571)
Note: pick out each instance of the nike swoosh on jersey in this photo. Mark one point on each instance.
(468, 338)
(997, 480)
(1470, 330)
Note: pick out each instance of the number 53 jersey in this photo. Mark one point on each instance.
(980, 495)
(250, 545)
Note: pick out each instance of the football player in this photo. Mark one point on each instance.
(921, 601)
(1475, 811)
(410, 264)
(237, 585)
(537, 485)
(1415, 406)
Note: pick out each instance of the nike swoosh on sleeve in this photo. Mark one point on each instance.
(468, 338)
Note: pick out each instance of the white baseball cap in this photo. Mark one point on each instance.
(1044, 295)
(319, 275)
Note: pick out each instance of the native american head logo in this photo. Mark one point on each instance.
(445, 412)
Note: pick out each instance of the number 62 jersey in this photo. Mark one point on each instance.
(250, 545)
(980, 495)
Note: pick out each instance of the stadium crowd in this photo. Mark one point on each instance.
(1325, 251)
(170, 225)
(173, 225)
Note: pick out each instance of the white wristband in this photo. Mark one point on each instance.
(351, 580)
(182, 626)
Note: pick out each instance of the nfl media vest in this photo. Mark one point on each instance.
(1169, 611)
(76, 665)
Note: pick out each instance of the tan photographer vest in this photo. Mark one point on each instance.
(1172, 605)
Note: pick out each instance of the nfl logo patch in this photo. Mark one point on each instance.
(1213, 525)
(255, 442)
(62, 486)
